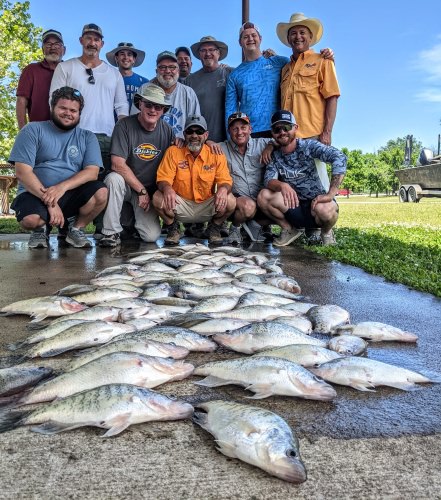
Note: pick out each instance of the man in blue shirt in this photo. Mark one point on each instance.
(294, 196)
(57, 165)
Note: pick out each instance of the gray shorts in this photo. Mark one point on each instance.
(190, 211)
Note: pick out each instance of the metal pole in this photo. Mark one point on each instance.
(439, 144)
(245, 11)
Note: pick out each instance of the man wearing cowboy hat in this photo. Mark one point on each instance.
(126, 57)
(138, 145)
(309, 84)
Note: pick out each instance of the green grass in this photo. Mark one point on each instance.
(400, 241)
(9, 225)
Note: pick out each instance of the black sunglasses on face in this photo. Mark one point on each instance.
(197, 131)
(91, 78)
(151, 105)
(282, 128)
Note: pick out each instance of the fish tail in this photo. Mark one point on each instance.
(8, 361)
(11, 419)
(15, 346)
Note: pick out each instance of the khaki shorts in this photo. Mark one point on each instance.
(190, 211)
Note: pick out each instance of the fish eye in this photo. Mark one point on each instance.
(291, 453)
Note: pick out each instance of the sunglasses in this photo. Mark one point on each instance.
(282, 128)
(125, 44)
(197, 131)
(91, 78)
(152, 105)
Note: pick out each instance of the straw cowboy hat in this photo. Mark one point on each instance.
(139, 54)
(299, 19)
(223, 47)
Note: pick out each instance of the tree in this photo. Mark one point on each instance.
(377, 178)
(19, 45)
(355, 177)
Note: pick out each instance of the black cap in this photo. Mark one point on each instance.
(183, 49)
(283, 116)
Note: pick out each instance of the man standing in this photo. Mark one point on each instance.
(309, 83)
(187, 179)
(138, 146)
(295, 197)
(185, 63)
(126, 57)
(33, 86)
(210, 82)
(180, 98)
(244, 157)
(57, 165)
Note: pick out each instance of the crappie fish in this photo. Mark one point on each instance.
(114, 368)
(250, 278)
(101, 295)
(256, 436)
(40, 308)
(305, 355)
(260, 336)
(300, 322)
(95, 313)
(212, 326)
(348, 345)
(253, 313)
(377, 332)
(218, 303)
(119, 267)
(285, 283)
(157, 291)
(141, 323)
(17, 378)
(259, 298)
(144, 346)
(87, 334)
(265, 288)
(265, 377)
(364, 374)
(199, 292)
(173, 301)
(114, 407)
(74, 289)
(328, 317)
(129, 303)
(299, 307)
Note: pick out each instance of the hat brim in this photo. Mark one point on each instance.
(247, 122)
(223, 48)
(137, 98)
(314, 25)
(140, 56)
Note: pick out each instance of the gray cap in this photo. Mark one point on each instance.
(166, 54)
(92, 28)
(196, 120)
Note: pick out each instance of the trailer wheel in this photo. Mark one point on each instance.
(403, 195)
(412, 194)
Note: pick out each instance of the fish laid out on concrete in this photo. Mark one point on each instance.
(347, 345)
(212, 326)
(253, 313)
(114, 407)
(264, 335)
(40, 308)
(114, 368)
(104, 295)
(376, 332)
(300, 322)
(259, 298)
(265, 377)
(328, 317)
(95, 313)
(256, 436)
(18, 378)
(285, 283)
(215, 304)
(305, 355)
(365, 374)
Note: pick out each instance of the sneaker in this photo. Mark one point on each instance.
(235, 236)
(286, 237)
(328, 238)
(253, 230)
(173, 234)
(98, 235)
(110, 240)
(224, 229)
(76, 237)
(38, 238)
(313, 236)
(214, 233)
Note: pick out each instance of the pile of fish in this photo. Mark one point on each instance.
(130, 329)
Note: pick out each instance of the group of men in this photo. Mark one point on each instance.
(185, 147)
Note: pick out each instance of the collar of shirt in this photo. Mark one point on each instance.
(303, 55)
(203, 154)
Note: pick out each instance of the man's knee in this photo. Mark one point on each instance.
(231, 202)
(100, 196)
(264, 197)
(31, 221)
(115, 181)
(326, 212)
(157, 199)
(246, 206)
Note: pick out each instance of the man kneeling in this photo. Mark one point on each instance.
(187, 179)
(57, 165)
(295, 197)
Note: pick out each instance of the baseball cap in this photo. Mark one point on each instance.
(94, 28)
(238, 116)
(49, 33)
(283, 116)
(197, 120)
(166, 54)
(182, 49)
(247, 26)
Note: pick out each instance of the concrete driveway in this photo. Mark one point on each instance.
(384, 444)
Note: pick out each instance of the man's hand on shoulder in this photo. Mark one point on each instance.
(265, 157)
(267, 53)
(215, 148)
(179, 142)
(327, 54)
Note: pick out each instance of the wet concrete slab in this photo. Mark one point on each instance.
(380, 428)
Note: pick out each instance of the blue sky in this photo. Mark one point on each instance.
(388, 53)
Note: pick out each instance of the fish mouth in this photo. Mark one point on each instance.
(182, 410)
(291, 470)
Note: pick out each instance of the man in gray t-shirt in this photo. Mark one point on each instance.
(138, 145)
(57, 165)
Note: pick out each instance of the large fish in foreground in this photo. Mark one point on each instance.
(114, 407)
(17, 378)
(256, 436)
(305, 355)
(377, 332)
(265, 377)
(328, 317)
(365, 374)
(40, 308)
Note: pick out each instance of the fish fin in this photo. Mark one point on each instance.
(225, 448)
(213, 381)
(261, 391)
(201, 418)
(363, 387)
(117, 424)
(16, 345)
(10, 420)
(38, 317)
(52, 427)
(37, 326)
(405, 386)
(54, 352)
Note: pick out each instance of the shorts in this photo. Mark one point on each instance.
(301, 217)
(190, 211)
(70, 203)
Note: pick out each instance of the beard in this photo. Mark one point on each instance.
(167, 83)
(195, 148)
(61, 125)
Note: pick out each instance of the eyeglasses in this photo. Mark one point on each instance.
(152, 105)
(282, 128)
(208, 51)
(55, 45)
(91, 78)
(197, 131)
(170, 67)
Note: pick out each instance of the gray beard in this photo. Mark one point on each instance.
(194, 148)
(167, 83)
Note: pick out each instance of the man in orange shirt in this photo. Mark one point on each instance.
(187, 178)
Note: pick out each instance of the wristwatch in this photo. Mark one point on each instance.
(143, 192)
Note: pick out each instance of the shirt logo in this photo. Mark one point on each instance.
(183, 164)
(73, 152)
(207, 168)
(310, 65)
(146, 152)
